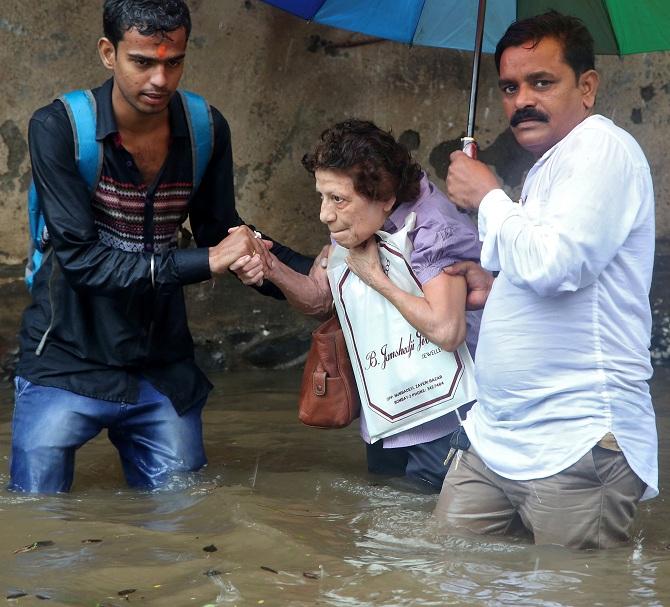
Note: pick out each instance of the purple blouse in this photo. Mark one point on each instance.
(441, 237)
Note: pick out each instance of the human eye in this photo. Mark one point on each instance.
(543, 83)
(140, 61)
(508, 88)
(175, 62)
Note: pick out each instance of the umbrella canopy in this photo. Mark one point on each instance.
(617, 26)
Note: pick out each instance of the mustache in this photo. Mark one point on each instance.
(527, 113)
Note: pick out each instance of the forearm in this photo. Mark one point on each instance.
(303, 292)
(444, 330)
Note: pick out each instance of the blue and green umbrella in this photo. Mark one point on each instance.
(618, 26)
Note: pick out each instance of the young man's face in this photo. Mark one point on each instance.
(541, 95)
(147, 69)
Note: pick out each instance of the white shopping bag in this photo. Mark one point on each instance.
(403, 379)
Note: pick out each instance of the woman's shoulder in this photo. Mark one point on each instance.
(435, 212)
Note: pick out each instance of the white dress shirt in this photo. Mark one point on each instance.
(563, 354)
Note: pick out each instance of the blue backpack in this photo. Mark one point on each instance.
(81, 110)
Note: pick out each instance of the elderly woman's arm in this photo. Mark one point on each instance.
(310, 294)
(439, 315)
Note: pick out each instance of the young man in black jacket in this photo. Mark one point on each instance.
(105, 342)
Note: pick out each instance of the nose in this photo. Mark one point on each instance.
(159, 76)
(327, 213)
(525, 97)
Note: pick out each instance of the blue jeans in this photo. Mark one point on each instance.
(50, 424)
(422, 463)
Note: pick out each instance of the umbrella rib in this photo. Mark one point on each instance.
(411, 40)
(316, 11)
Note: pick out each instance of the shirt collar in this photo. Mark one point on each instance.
(550, 152)
(106, 122)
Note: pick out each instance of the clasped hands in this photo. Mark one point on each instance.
(242, 246)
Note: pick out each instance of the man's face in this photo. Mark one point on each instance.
(147, 69)
(541, 95)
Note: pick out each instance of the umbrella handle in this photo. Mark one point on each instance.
(469, 147)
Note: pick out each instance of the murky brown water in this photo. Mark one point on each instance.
(290, 517)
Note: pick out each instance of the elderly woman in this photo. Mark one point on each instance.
(368, 181)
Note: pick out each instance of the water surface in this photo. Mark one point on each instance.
(287, 515)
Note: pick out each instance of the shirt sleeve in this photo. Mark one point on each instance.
(584, 216)
(439, 243)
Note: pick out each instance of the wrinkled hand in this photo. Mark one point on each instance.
(250, 270)
(468, 181)
(240, 242)
(318, 272)
(363, 261)
(478, 279)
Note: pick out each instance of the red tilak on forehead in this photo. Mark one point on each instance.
(162, 51)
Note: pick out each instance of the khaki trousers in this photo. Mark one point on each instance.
(591, 504)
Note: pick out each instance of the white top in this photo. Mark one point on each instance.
(563, 352)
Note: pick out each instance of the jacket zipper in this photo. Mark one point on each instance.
(42, 343)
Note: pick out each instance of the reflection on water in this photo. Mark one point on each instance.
(286, 515)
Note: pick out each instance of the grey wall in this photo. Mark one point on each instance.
(280, 81)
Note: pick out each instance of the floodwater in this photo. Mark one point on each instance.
(287, 515)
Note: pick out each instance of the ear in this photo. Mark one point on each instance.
(107, 53)
(388, 204)
(588, 84)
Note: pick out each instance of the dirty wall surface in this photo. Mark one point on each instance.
(280, 81)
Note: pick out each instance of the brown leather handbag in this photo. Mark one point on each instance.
(328, 394)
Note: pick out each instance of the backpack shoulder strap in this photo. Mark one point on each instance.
(82, 112)
(88, 153)
(201, 130)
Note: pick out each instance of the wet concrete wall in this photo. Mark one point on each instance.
(280, 81)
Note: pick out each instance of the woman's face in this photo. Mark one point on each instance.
(350, 217)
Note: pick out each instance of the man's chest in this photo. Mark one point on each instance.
(136, 215)
(149, 152)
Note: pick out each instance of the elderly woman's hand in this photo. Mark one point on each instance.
(363, 261)
(250, 270)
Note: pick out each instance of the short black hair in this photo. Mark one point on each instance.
(149, 17)
(570, 31)
(379, 166)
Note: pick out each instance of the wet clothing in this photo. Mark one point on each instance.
(105, 340)
(563, 361)
(423, 463)
(441, 237)
(153, 441)
(98, 320)
(563, 355)
(590, 504)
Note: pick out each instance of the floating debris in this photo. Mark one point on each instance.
(43, 597)
(34, 546)
(212, 572)
(126, 592)
(91, 541)
(311, 575)
(16, 595)
(270, 569)
(210, 548)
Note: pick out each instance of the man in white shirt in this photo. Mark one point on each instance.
(563, 438)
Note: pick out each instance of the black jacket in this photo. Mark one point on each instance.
(96, 322)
